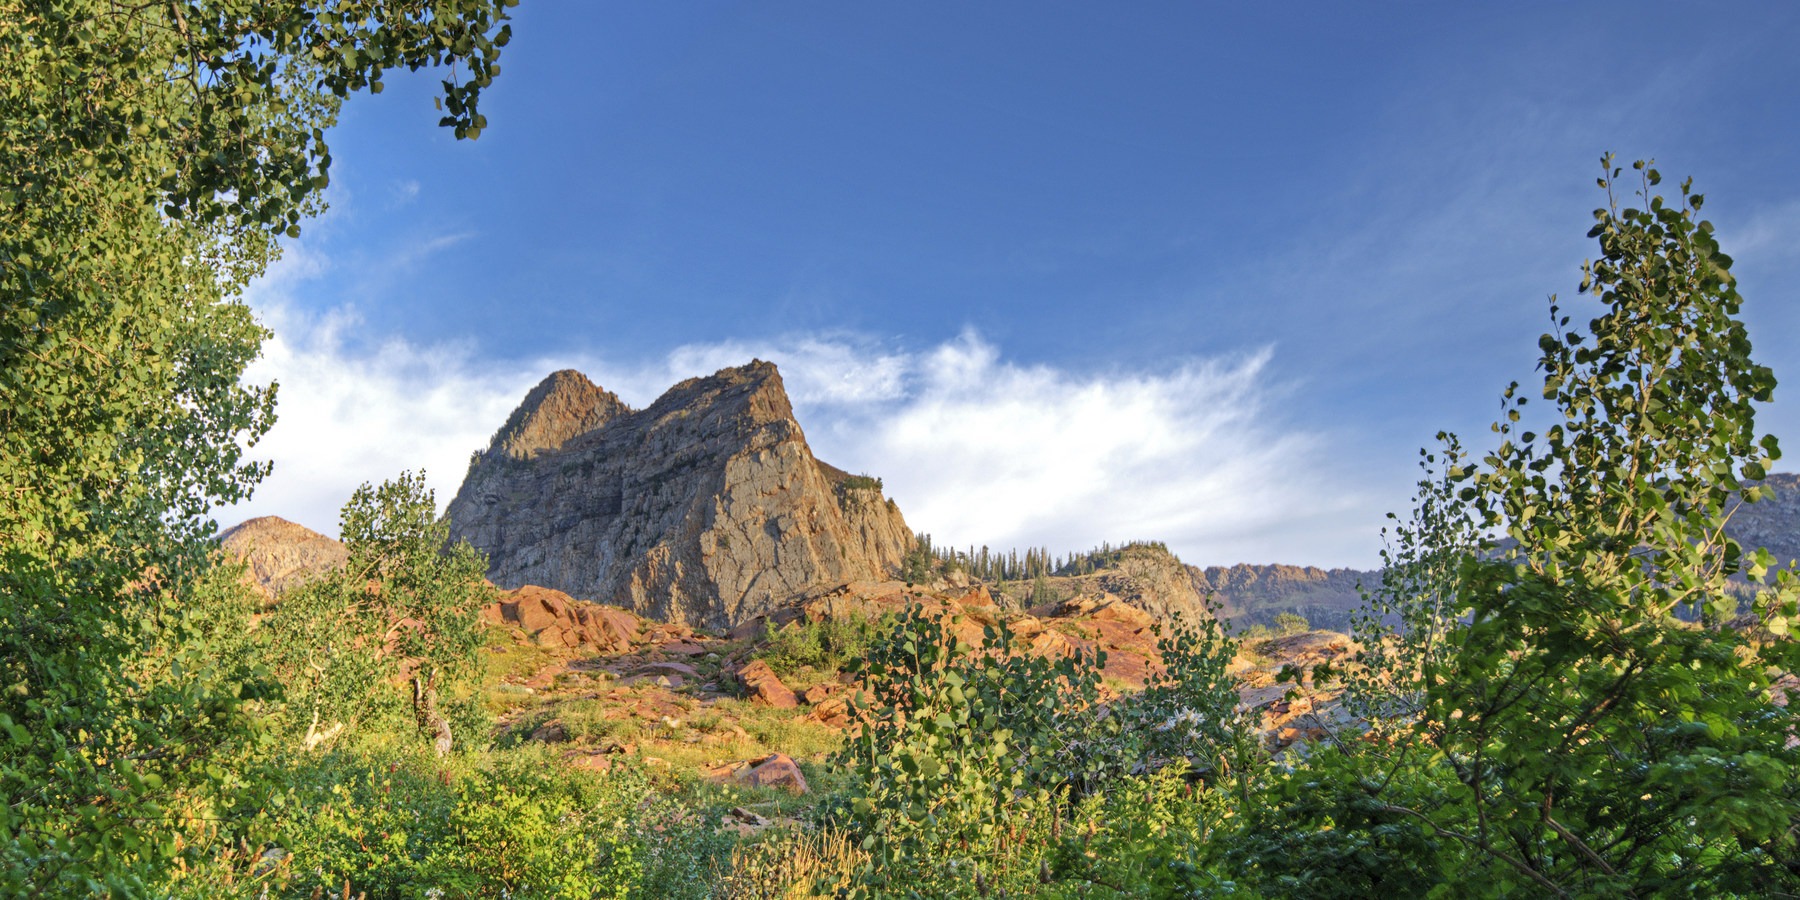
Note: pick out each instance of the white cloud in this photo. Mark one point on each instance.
(404, 191)
(977, 449)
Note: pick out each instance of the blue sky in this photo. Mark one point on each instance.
(1058, 272)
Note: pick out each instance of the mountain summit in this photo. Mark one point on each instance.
(707, 508)
(565, 404)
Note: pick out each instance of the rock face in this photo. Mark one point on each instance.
(280, 554)
(562, 406)
(705, 509)
(1145, 575)
(1155, 581)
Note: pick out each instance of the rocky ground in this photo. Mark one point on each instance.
(601, 683)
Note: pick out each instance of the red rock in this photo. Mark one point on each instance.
(671, 668)
(747, 629)
(598, 762)
(821, 692)
(1051, 643)
(777, 770)
(765, 687)
(725, 772)
(1125, 614)
(833, 711)
(622, 627)
(533, 610)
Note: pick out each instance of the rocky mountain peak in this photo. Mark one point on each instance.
(279, 554)
(562, 406)
(705, 508)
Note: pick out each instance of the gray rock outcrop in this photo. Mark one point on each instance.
(706, 509)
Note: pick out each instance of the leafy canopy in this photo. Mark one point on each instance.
(150, 155)
(1558, 725)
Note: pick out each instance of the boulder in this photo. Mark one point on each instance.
(670, 668)
(765, 688)
(818, 693)
(776, 770)
(550, 733)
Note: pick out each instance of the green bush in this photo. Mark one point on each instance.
(404, 608)
(1291, 623)
(406, 824)
(826, 646)
(985, 768)
(1146, 837)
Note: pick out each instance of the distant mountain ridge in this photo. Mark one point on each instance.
(1256, 594)
(706, 509)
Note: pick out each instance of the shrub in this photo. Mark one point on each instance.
(402, 609)
(827, 645)
(1587, 741)
(405, 824)
(1288, 623)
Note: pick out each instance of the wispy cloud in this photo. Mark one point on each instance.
(976, 449)
(403, 192)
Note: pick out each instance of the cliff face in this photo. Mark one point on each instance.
(705, 509)
(280, 554)
(564, 405)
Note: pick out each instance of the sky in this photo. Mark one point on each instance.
(1058, 273)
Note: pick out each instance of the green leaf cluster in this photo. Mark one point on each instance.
(1552, 720)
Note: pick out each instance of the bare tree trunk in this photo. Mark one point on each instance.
(426, 711)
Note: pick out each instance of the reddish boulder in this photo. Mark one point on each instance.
(776, 770)
(833, 711)
(818, 693)
(765, 688)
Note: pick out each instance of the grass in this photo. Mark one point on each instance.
(787, 864)
(507, 653)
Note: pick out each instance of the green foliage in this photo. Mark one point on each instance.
(927, 559)
(827, 646)
(400, 825)
(1584, 741)
(973, 758)
(960, 755)
(1289, 623)
(149, 156)
(1325, 830)
(1188, 712)
(400, 618)
(859, 483)
(1151, 837)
